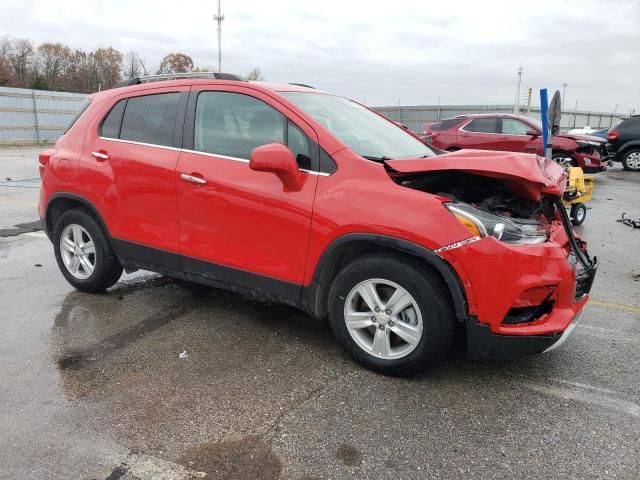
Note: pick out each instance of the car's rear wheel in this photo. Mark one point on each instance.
(391, 315)
(631, 160)
(83, 253)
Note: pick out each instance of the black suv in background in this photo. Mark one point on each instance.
(623, 143)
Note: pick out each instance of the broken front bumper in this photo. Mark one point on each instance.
(523, 299)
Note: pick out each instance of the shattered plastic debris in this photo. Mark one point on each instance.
(184, 354)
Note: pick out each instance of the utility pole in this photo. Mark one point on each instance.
(564, 92)
(516, 103)
(219, 18)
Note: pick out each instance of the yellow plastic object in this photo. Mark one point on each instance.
(579, 186)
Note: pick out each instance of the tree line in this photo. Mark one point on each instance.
(55, 66)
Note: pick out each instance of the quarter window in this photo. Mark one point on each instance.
(482, 125)
(511, 126)
(150, 118)
(233, 124)
(110, 127)
(298, 143)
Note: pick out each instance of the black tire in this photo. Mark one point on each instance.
(633, 153)
(578, 213)
(107, 269)
(560, 155)
(430, 294)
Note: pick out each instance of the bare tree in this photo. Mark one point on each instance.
(6, 73)
(21, 59)
(132, 65)
(52, 64)
(106, 64)
(176, 63)
(254, 75)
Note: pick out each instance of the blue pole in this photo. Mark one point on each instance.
(544, 109)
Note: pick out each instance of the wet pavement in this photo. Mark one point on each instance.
(95, 386)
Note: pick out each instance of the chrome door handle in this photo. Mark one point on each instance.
(100, 155)
(192, 179)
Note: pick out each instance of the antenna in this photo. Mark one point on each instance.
(219, 18)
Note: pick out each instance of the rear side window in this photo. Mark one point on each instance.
(482, 125)
(150, 118)
(631, 124)
(110, 127)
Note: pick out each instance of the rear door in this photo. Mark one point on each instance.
(479, 133)
(513, 136)
(237, 225)
(130, 160)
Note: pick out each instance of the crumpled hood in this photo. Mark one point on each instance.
(527, 175)
(580, 136)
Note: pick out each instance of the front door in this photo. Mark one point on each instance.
(237, 225)
(514, 137)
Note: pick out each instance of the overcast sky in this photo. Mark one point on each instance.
(409, 51)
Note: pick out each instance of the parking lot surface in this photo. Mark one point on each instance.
(164, 379)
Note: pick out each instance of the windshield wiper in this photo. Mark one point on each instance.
(376, 159)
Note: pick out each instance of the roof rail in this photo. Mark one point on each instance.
(302, 85)
(177, 76)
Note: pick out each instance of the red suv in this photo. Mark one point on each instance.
(289, 194)
(515, 133)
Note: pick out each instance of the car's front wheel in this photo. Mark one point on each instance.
(564, 160)
(631, 160)
(83, 253)
(390, 314)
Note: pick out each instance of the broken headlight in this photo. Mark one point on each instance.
(509, 230)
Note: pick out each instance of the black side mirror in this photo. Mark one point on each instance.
(533, 132)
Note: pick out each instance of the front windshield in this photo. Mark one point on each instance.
(365, 132)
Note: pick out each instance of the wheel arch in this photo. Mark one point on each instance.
(64, 201)
(350, 246)
(625, 147)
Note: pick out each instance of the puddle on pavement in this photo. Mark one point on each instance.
(249, 459)
(349, 455)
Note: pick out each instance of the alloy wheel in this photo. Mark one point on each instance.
(633, 160)
(78, 251)
(383, 319)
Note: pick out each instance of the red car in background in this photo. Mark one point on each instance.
(515, 133)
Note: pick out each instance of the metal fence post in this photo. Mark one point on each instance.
(35, 115)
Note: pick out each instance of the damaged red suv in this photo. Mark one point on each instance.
(289, 194)
(516, 133)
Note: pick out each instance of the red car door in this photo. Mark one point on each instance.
(234, 221)
(514, 138)
(479, 133)
(128, 167)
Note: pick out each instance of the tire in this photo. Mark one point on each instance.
(106, 269)
(578, 213)
(426, 291)
(631, 160)
(564, 160)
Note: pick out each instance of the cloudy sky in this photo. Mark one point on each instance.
(415, 52)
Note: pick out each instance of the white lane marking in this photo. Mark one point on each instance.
(580, 392)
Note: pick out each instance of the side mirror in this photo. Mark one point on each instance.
(278, 159)
(533, 132)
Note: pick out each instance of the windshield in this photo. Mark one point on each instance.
(365, 132)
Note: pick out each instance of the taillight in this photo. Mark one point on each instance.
(44, 158)
(612, 135)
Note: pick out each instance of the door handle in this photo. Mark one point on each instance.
(193, 179)
(100, 156)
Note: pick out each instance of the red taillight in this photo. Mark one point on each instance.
(43, 158)
(612, 135)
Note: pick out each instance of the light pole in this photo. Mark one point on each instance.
(564, 91)
(219, 18)
(516, 103)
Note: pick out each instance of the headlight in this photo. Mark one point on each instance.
(509, 230)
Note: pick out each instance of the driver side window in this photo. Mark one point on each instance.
(233, 124)
(511, 126)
